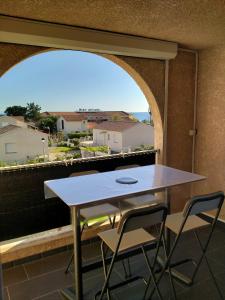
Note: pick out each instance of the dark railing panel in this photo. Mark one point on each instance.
(23, 208)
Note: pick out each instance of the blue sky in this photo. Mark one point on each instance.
(68, 80)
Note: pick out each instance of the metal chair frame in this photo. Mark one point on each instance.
(186, 213)
(158, 241)
(85, 224)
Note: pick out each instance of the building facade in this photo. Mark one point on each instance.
(123, 136)
(19, 144)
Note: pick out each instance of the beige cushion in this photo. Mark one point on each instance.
(98, 211)
(141, 200)
(173, 222)
(130, 239)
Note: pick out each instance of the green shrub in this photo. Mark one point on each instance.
(96, 149)
(76, 155)
(77, 135)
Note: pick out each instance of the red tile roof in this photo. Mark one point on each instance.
(118, 126)
(80, 116)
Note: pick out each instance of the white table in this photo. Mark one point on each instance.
(81, 191)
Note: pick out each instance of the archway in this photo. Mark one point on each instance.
(142, 84)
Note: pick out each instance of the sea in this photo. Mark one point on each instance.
(141, 116)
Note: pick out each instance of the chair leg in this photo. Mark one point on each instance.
(204, 249)
(112, 221)
(104, 266)
(167, 263)
(126, 272)
(105, 286)
(169, 269)
(151, 275)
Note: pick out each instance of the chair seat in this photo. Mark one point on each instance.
(141, 200)
(173, 222)
(98, 211)
(129, 240)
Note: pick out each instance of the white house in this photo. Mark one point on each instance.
(68, 122)
(18, 144)
(71, 123)
(122, 135)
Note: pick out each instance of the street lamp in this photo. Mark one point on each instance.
(43, 143)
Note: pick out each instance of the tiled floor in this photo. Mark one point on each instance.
(43, 278)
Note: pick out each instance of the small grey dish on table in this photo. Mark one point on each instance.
(126, 180)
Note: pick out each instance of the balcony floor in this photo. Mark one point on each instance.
(44, 277)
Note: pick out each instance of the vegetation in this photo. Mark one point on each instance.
(64, 149)
(77, 135)
(31, 112)
(48, 123)
(16, 110)
(96, 149)
(144, 147)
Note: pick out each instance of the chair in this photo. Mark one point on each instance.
(188, 220)
(92, 213)
(130, 234)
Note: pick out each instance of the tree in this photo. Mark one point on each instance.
(33, 112)
(15, 110)
(48, 122)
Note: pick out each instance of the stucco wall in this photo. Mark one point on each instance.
(114, 141)
(180, 117)
(70, 126)
(138, 135)
(28, 144)
(210, 139)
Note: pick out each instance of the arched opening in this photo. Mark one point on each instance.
(142, 84)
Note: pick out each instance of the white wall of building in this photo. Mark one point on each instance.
(71, 126)
(7, 120)
(113, 139)
(21, 144)
(141, 134)
(131, 138)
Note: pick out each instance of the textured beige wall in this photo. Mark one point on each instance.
(210, 140)
(193, 23)
(150, 76)
(181, 91)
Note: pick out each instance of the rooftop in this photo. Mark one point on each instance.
(80, 116)
(8, 128)
(118, 126)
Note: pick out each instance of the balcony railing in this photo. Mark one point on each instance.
(23, 208)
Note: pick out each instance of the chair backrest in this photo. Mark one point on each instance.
(203, 203)
(126, 167)
(83, 173)
(143, 217)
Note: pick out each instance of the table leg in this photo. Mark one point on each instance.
(77, 253)
(1, 283)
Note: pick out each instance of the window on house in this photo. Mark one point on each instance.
(62, 124)
(108, 137)
(10, 148)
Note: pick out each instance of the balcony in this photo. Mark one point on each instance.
(36, 251)
(43, 277)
